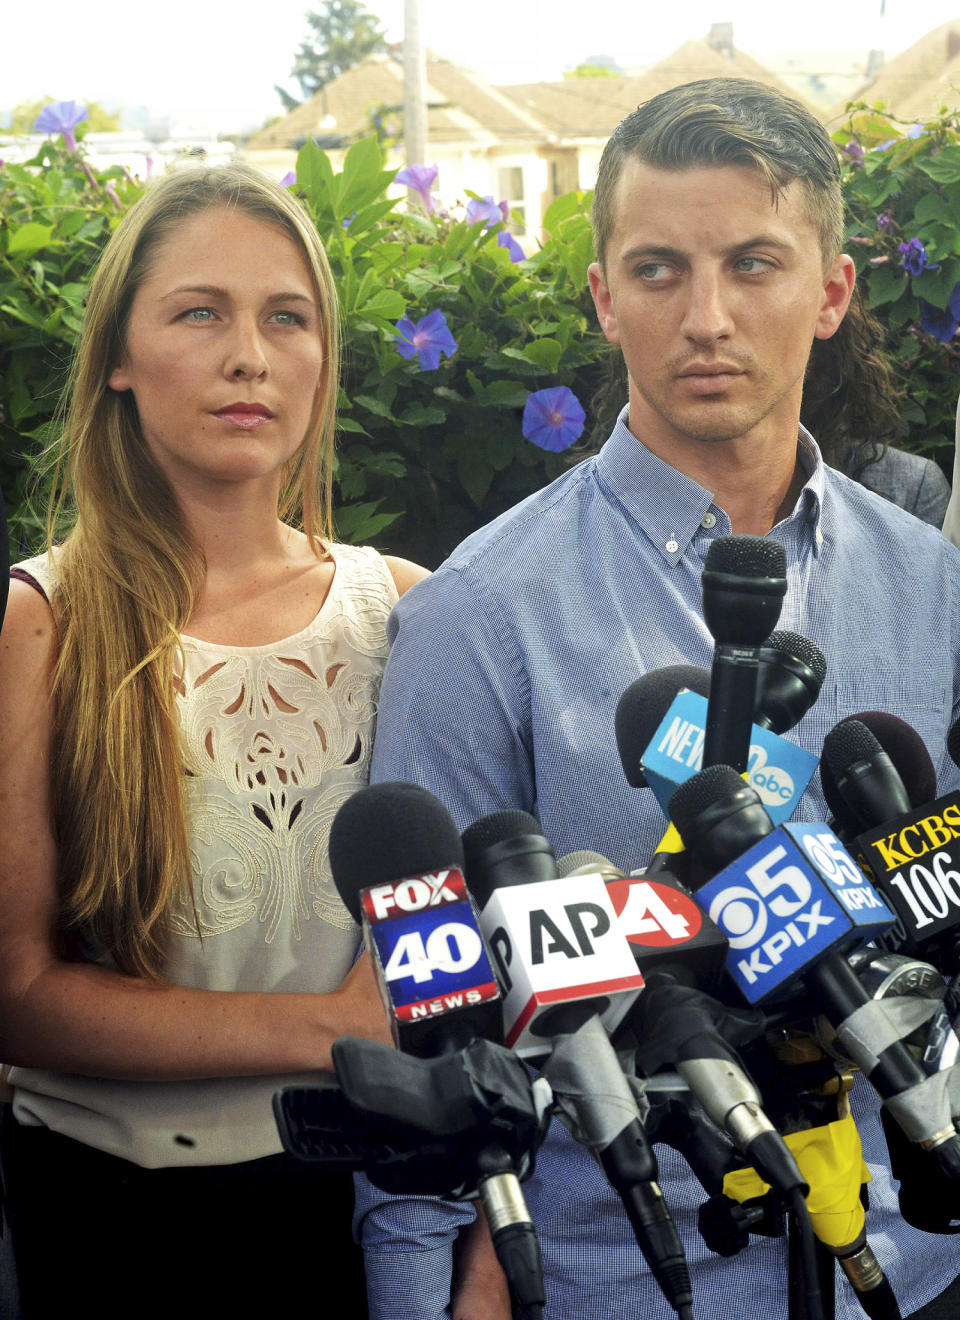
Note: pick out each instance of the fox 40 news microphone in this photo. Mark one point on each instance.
(792, 902)
(566, 970)
(680, 952)
(397, 862)
(744, 583)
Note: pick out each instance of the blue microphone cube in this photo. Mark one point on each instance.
(788, 900)
(778, 770)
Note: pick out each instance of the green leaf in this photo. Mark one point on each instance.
(374, 405)
(31, 238)
(418, 414)
(885, 285)
(934, 207)
(348, 424)
(945, 167)
(475, 475)
(544, 353)
(315, 176)
(386, 305)
(357, 523)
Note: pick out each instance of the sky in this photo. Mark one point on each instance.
(195, 62)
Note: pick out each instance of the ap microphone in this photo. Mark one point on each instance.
(397, 862)
(558, 947)
(791, 902)
(744, 582)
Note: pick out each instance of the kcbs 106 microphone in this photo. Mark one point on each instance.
(563, 961)
(397, 862)
(791, 902)
(744, 582)
(907, 844)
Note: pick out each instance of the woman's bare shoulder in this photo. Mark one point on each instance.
(404, 572)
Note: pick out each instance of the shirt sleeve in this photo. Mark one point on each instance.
(454, 706)
(453, 718)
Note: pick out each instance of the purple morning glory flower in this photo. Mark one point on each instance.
(508, 241)
(854, 152)
(504, 208)
(421, 179)
(61, 117)
(914, 257)
(553, 418)
(941, 325)
(484, 209)
(915, 131)
(425, 339)
(885, 146)
(289, 179)
(886, 223)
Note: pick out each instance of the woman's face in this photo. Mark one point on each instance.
(224, 352)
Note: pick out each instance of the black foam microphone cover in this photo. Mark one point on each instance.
(744, 582)
(642, 706)
(388, 832)
(893, 738)
(790, 674)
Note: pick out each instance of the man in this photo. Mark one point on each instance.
(718, 228)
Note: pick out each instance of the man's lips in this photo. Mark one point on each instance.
(709, 379)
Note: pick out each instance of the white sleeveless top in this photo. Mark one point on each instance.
(274, 739)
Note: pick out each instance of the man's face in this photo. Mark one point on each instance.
(715, 295)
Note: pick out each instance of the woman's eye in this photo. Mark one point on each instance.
(199, 314)
(284, 317)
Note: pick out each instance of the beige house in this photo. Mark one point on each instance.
(525, 144)
(918, 81)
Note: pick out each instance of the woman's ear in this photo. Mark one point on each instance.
(119, 378)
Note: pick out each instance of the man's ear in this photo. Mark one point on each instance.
(603, 302)
(837, 292)
(119, 378)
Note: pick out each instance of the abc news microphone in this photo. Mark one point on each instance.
(568, 977)
(397, 862)
(792, 902)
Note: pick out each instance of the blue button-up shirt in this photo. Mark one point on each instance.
(500, 692)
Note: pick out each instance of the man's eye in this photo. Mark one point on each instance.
(752, 265)
(654, 271)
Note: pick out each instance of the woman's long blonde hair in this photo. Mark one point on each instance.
(128, 575)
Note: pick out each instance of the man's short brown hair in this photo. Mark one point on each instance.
(727, 121)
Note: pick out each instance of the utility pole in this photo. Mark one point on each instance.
(414, 86)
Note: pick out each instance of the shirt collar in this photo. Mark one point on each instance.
(681, 507)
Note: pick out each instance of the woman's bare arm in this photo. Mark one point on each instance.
(80, 1017)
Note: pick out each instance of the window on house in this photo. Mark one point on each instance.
(510, 189)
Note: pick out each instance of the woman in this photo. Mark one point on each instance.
(187, 693)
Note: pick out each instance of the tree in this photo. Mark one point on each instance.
(98, 119)
(341, 34)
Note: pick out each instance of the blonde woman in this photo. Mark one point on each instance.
(188, 686)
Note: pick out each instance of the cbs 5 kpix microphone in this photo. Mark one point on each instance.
(397, 862)
(792, 903)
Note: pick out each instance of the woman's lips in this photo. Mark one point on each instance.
(247, 416)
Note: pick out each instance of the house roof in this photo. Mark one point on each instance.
(463, 108)
(915, 83)
(592, 107)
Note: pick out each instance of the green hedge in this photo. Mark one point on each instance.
(426, 456)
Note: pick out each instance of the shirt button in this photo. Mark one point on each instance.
(708, 520)
(672, 546)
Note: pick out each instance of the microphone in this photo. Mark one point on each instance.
(397, 862)
(563, 962)
(790, 674)
(906, 843)
(744, 583)
(642, 707)
(794, 898)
